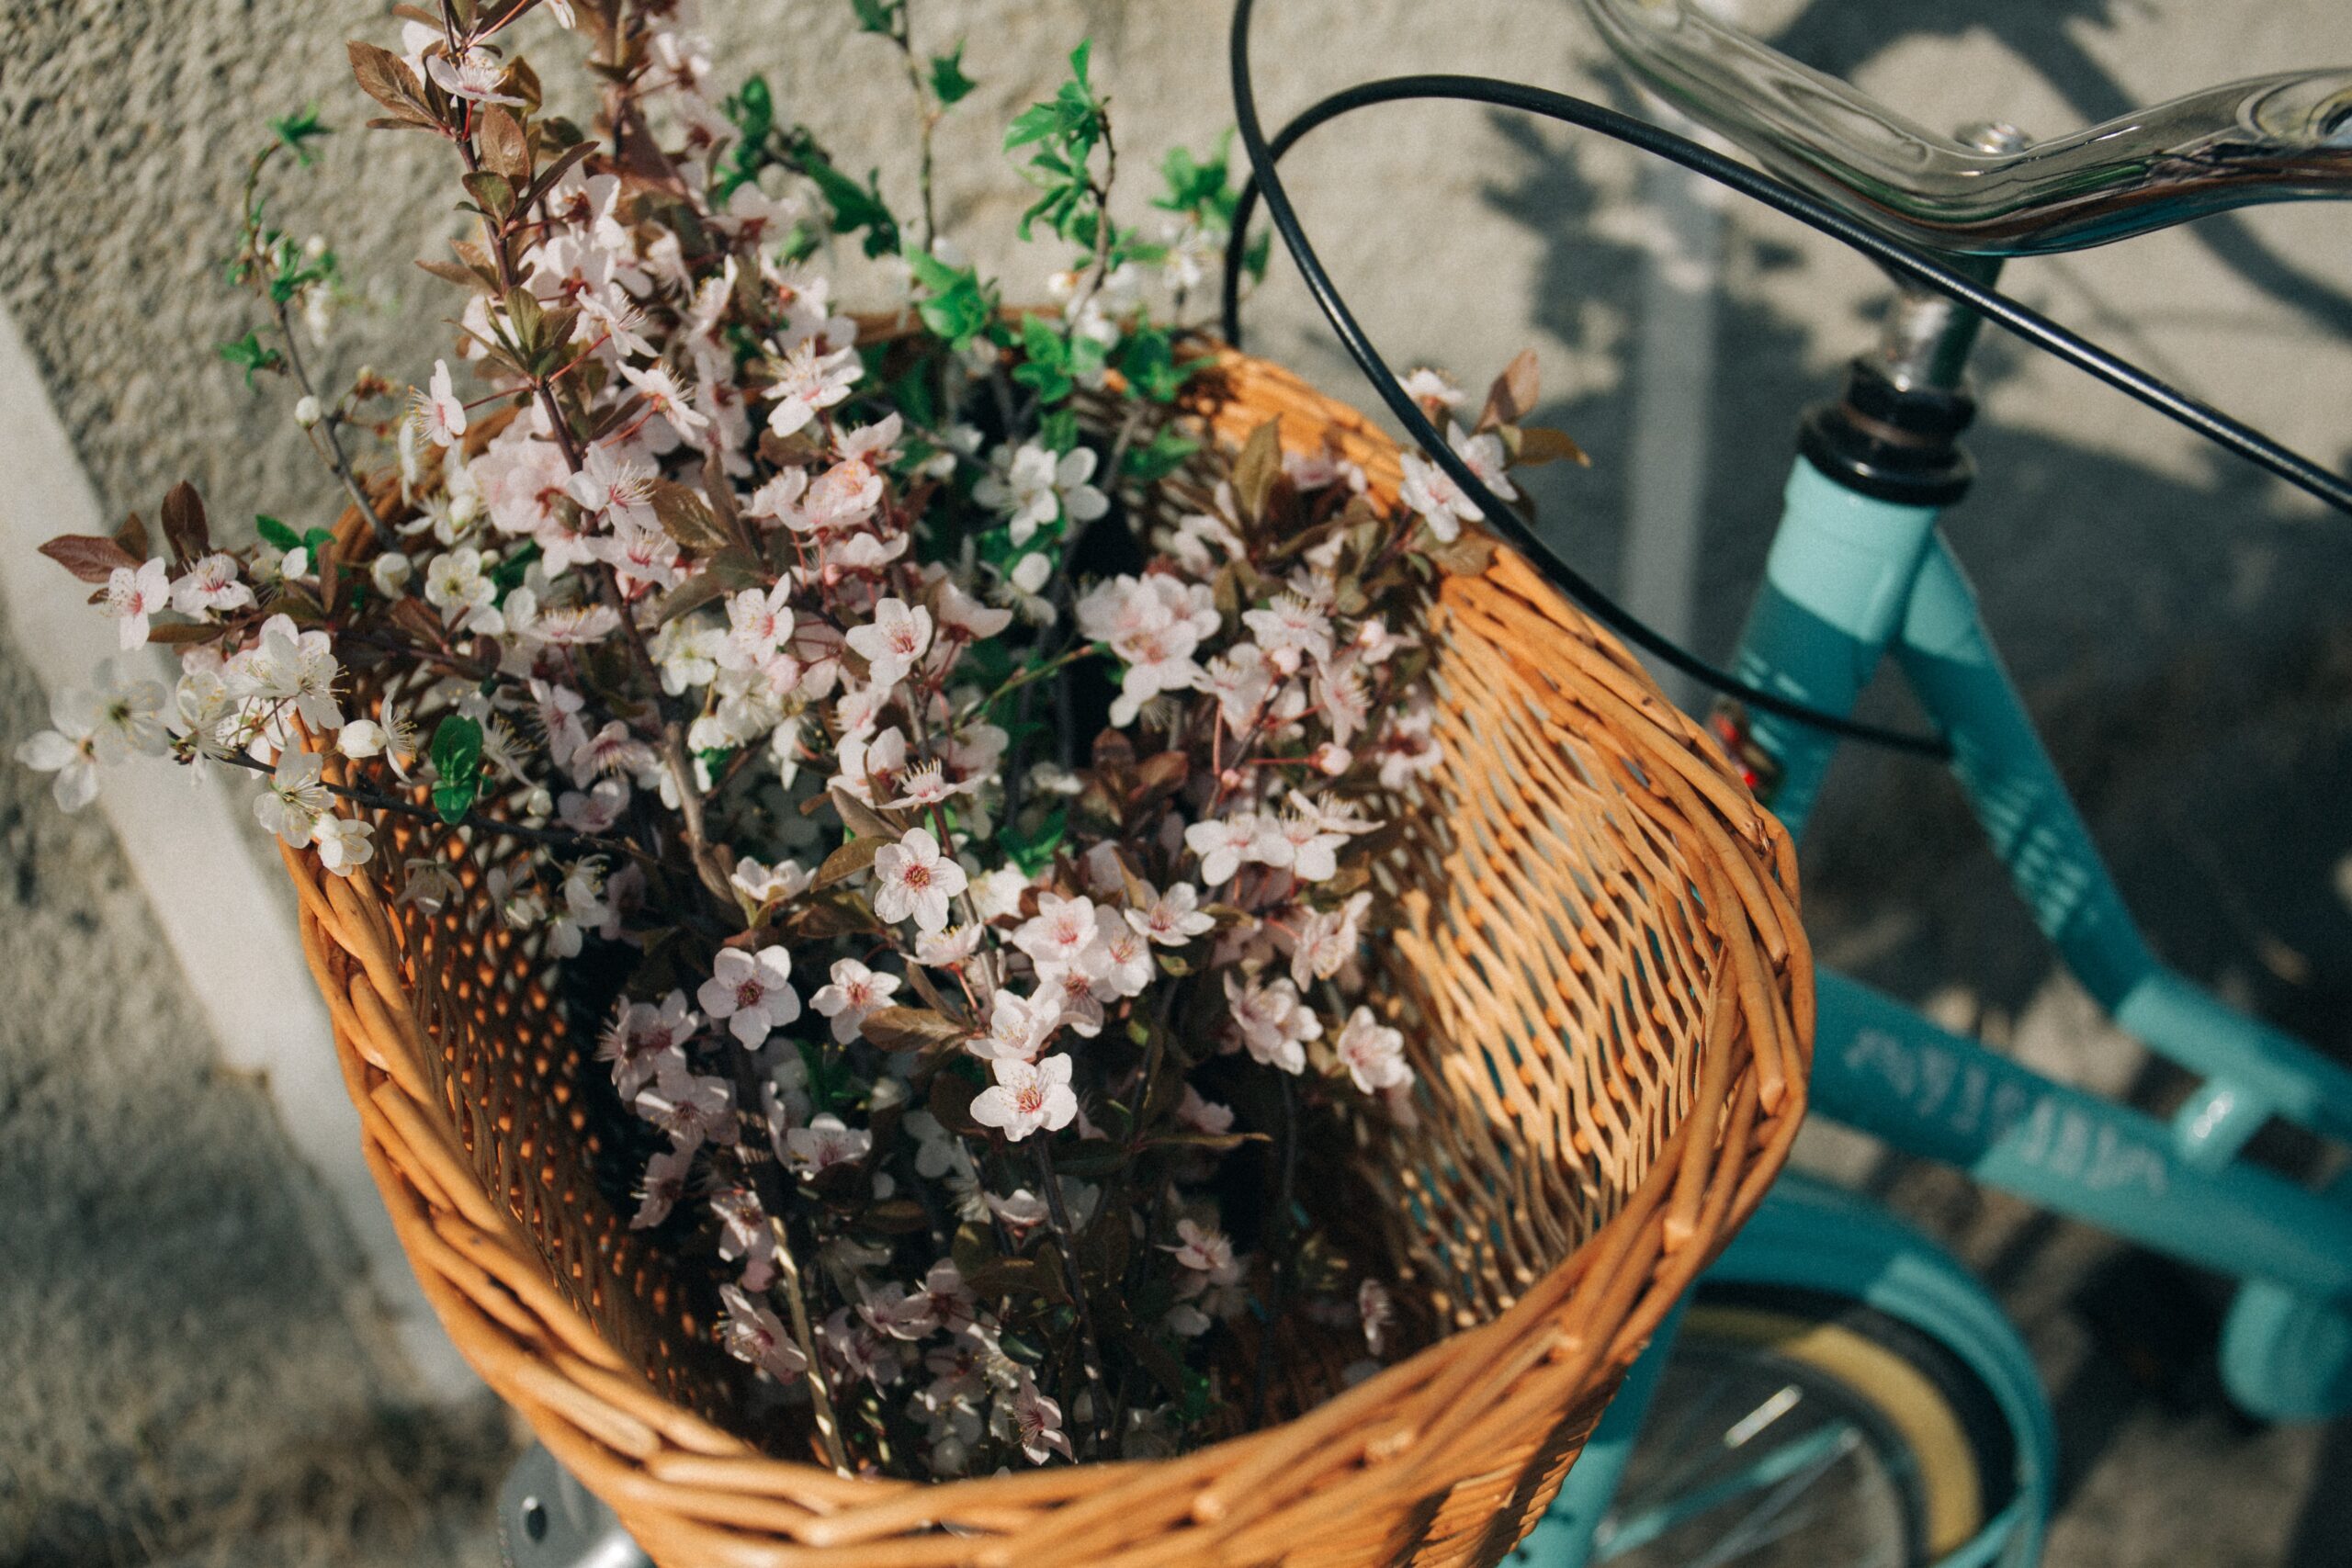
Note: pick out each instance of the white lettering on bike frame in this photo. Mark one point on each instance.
(2042, 1129)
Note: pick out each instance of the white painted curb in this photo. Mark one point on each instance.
(189, 849)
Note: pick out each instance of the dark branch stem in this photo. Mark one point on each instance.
(1278, 1247)
(1089, 1346)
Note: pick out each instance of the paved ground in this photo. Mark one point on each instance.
(182, 1381)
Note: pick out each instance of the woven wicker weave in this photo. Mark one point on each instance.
(1608, 997)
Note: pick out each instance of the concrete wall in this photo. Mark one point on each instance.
(2175, 620)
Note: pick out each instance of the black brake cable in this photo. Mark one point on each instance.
(1906, 262)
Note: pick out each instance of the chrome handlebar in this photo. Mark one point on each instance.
(2283, 138)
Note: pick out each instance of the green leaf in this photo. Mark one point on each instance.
(1045, 363)
(1253, 260)
(829, 1078)
(948, 82)
(1161, 456)
(752, 108)
(855, 207)
(1059, 430)
(1078, 58)
(507, 575)
(1148, 359)
(277, 534)
(874, 16)
(249, 354)
(456, 765)
(1032, 124)
(317, 539)
(1034, 851)
(296, 130)
(958, 309)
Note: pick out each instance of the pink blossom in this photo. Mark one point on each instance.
(1173, 918)
(692, 1108)
(1037, 1422)
(1373, 1053)
(663, 1184)
(211, 586)
(751, 1333)
(438, 412)
(751, 992)
(1430, 491)
(853, 992)
(1241, 679)
(1290, 630)
(639, 1034)
(965, 618)
(1326, 939)
(1204, 1115)
(1204, 1250)
(1483, 455)
(1027, 1097)
(825, 1142)
(1224, 843)
(133, 594)
(1018, 1027)
(913, 878)
(808, 380)
(1272, 1023)
(894, 640)
(1061, 930)
(1121, 957)
(666, 399)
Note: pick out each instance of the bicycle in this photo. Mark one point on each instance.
(1841, 1389)
(1838, 1355)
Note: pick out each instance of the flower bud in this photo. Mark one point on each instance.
(390, 573)
(307, 412)
(1031, 572)
(362, 737)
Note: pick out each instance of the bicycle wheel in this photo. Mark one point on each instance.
(1795, 1430)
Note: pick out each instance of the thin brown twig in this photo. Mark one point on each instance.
(673, 745)
(760, 1167)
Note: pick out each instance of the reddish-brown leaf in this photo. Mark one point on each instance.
(1257, 468)
(132, 536)
(90, 556)
(845, 862)
(1513, 395)
(385, 77)
(506, 146)
(1536, 444)
(185, 528)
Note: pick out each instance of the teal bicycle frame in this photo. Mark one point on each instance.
(1851, 581)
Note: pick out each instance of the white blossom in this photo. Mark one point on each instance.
(345, 843)
(751, 993)
(438, 412)
(1373, 1053)
(911, 878)
(1027, 1097)
(133, 594)
(852, 992)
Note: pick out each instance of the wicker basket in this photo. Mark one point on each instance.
(1609, 998)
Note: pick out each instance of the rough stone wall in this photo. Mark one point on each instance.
(176, 1367)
